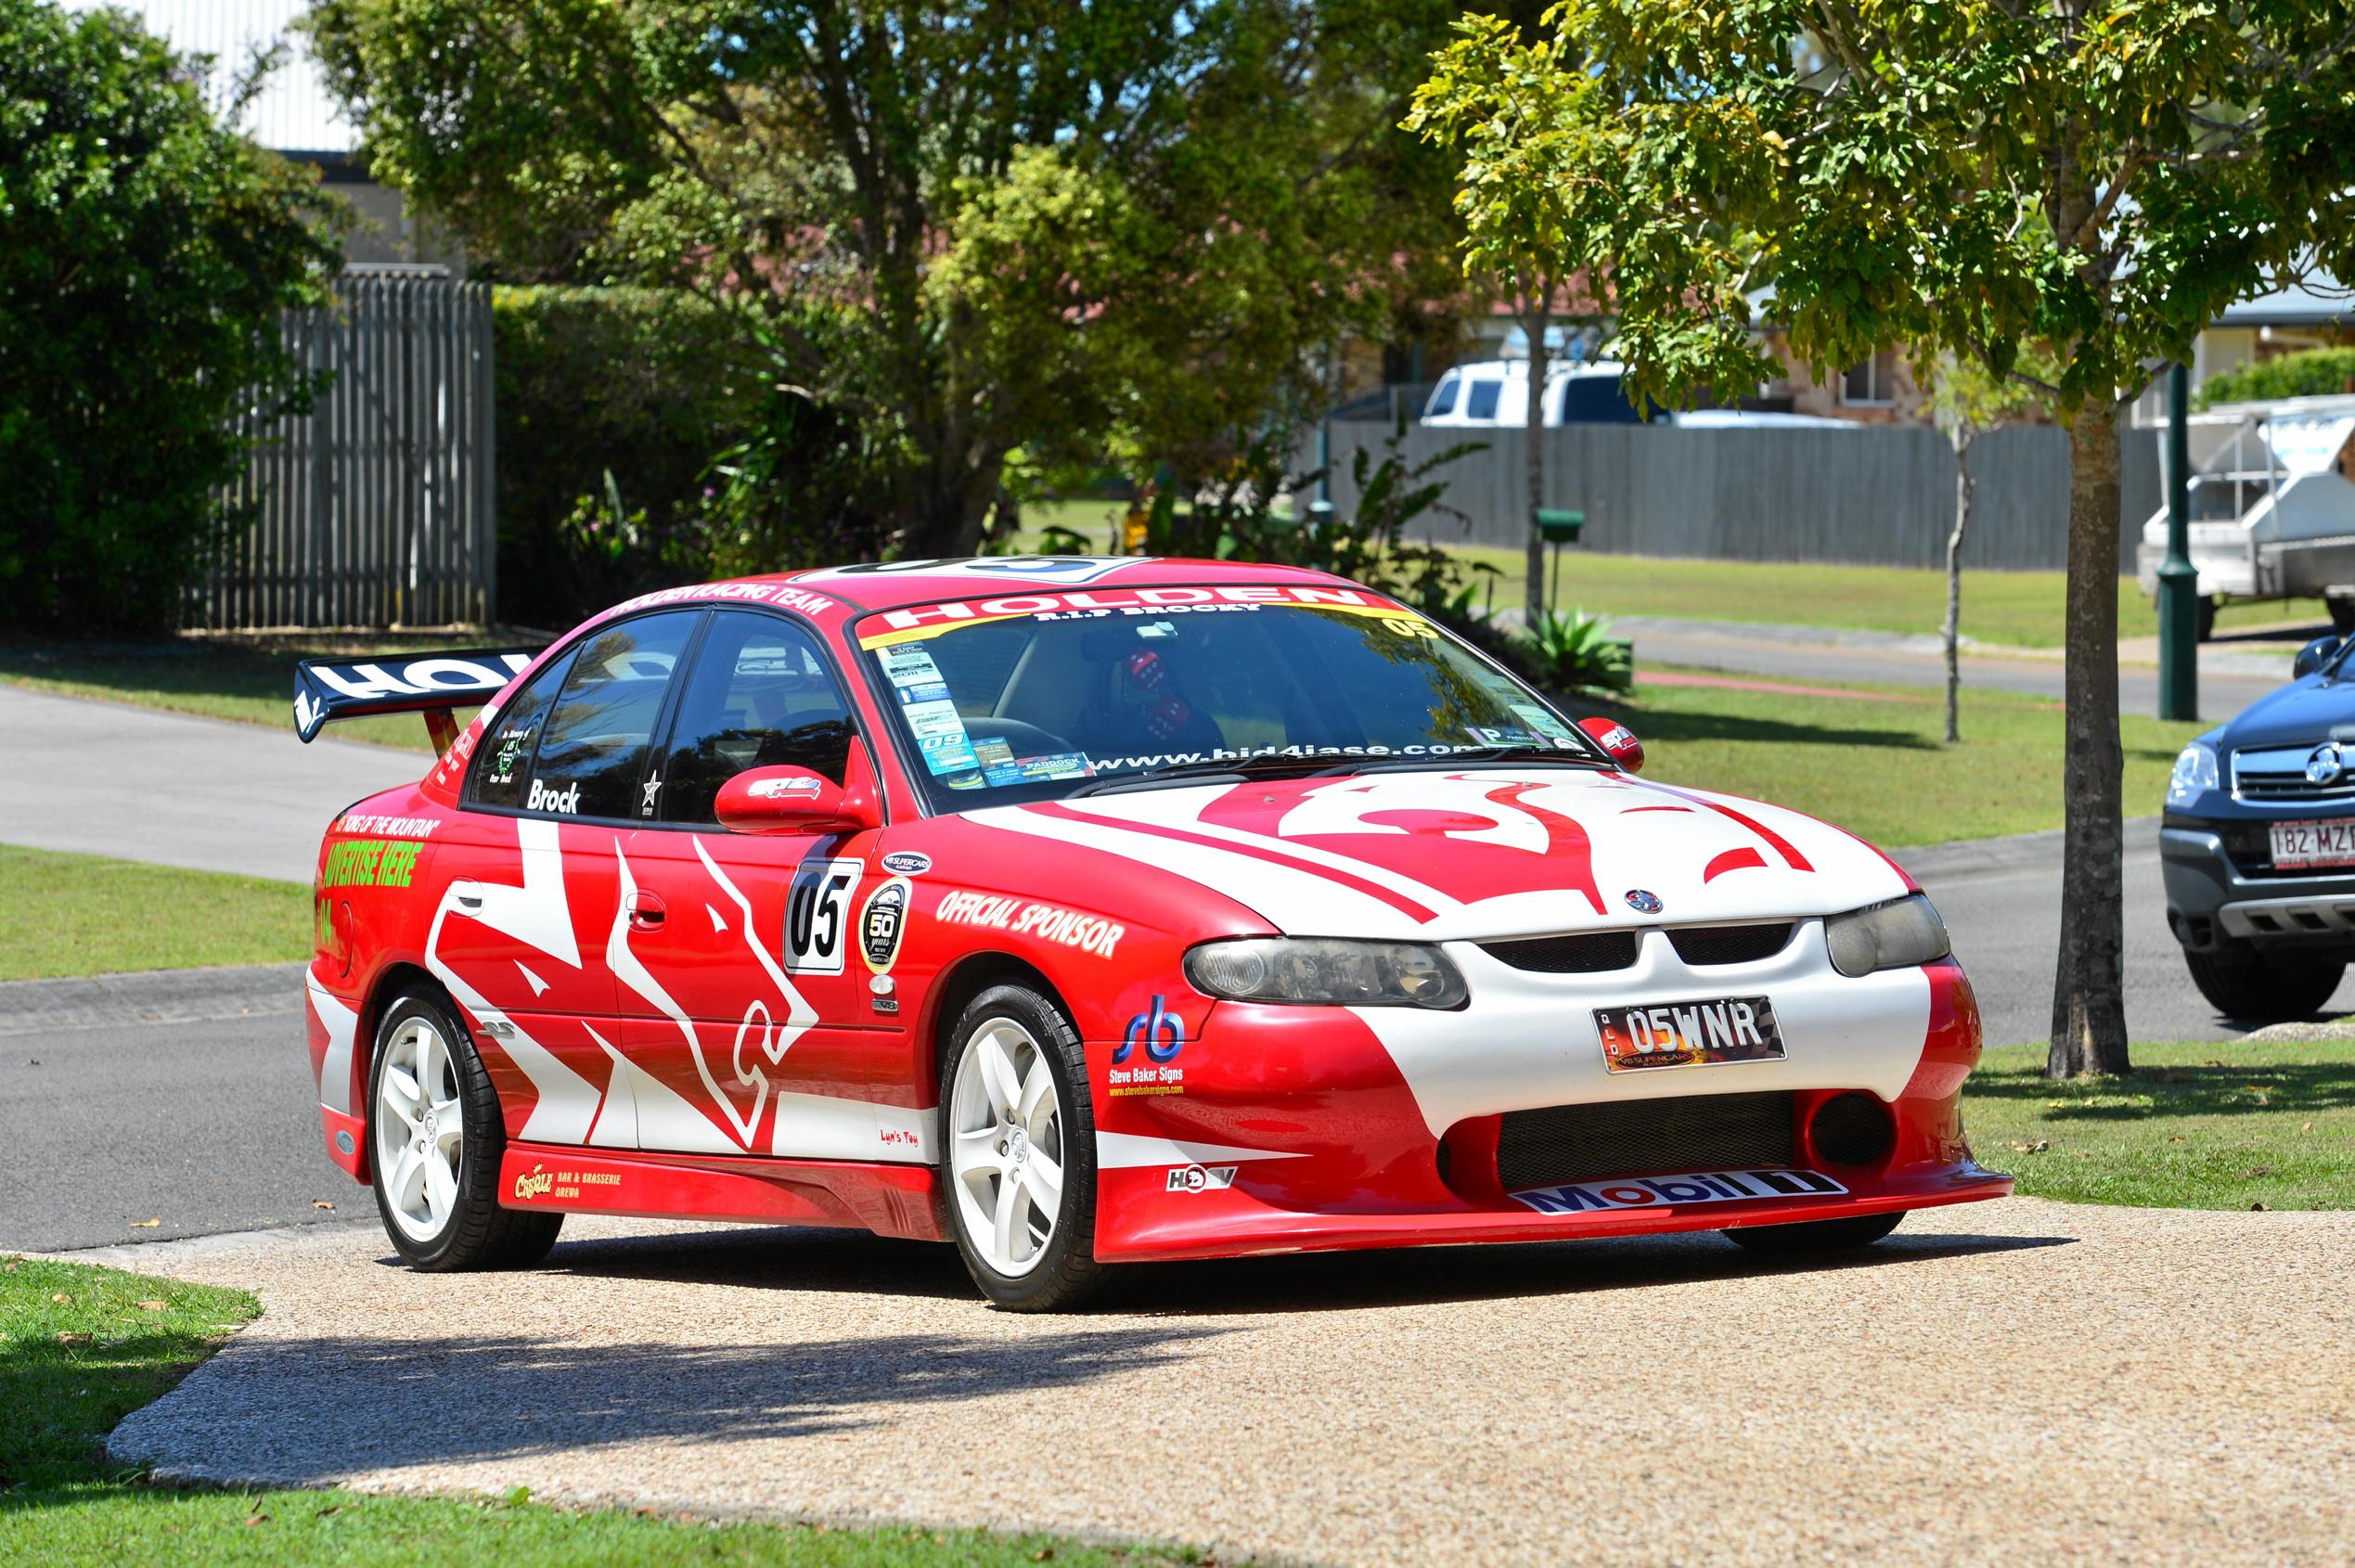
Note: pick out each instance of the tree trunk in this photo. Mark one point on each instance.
(1964, 485)
(2088, 1008)
(1533, 322)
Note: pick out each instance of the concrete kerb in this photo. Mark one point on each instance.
(196, 996)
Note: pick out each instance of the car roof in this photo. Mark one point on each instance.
(895, 585)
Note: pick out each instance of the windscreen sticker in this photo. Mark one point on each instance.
(1546, 724)
(898, 628)
(932, 717)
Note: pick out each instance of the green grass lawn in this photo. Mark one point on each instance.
(1878, 767)
(2015, 608)
(84, 914)
(83, 1347)
(2211, 1126)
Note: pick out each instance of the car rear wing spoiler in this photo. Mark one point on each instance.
(435, 684)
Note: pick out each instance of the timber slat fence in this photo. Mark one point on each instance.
(375, 508)
(1874, 496)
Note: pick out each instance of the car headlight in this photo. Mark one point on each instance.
(1899, 934)
(1326, 969)
(2194, 771)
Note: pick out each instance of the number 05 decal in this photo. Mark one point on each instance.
(817, 914)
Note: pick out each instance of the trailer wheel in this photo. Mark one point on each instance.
(2205, 618)
(2342, 614)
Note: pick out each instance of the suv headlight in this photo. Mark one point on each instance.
(1899, 934)
(1326, 969)
(2194, 772)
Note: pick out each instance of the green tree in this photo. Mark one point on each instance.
(146, 249)
(2328, 372)
(1975, 177)
(1966, 401)
(977, 225)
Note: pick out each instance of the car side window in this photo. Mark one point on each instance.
(503, 760)
(761, 694)
(593, 749)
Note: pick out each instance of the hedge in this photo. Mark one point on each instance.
(645, 384)
(2308, 373)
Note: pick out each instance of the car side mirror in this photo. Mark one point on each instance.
(793, 800)
(2313, 656)
(1617, 739)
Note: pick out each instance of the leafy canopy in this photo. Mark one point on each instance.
(1967, 176)
(146, 249)
(975, 226)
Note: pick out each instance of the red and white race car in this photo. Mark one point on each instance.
(1098, 911)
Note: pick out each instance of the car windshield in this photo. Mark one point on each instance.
(1045, 695)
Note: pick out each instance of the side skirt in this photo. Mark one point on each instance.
(887, 1200)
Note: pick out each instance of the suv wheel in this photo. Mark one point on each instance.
(435, 1139)
(2245, 983)
(1018, 1172)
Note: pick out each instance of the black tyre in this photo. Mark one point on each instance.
(2204, 616)
(1018, 1155)
(1816, 1235)
(2242, 982)
(434, 1142)
(2342, 614)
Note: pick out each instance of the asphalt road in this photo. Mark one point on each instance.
(106, 778)
(2229, 680)
(186, 1099)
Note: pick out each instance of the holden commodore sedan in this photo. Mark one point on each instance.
(1087, 912)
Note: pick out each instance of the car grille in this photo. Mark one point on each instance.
(2278, 773)
(1730, 945)
(1586, 953)
(1563, 1143)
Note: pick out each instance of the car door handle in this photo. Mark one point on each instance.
(645, 912)
(469, 895)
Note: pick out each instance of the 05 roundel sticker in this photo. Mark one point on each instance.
(883, 923)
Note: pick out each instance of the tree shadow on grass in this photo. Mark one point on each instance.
(2216, 1088)
(1667, 727)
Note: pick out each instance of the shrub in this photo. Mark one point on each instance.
(2308, 373)
(1577, 653)
(146, 251)
(607, 393)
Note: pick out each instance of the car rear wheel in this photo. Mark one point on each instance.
(1019, 1157)
(1816, 1235)
(436, 1140)
(2242, 982)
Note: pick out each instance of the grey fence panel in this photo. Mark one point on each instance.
(1863, 497)
(373, 509)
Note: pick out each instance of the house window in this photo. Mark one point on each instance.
(1871, 384)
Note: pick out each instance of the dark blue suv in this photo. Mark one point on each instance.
(2258, 844)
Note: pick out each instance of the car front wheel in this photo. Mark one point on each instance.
(2242, 982)
(1019, 1162)
(436, 1142)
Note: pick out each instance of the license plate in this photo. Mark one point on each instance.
(2314, 843)
(1689, 1033)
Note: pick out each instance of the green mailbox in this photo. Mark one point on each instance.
(1558, 527)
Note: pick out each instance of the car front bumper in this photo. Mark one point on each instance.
(1300, 1128)
(2210, 900)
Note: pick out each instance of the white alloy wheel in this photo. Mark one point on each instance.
(421, 1128)
(1006, 1158)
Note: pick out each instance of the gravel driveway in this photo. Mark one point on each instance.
(2011, 1381)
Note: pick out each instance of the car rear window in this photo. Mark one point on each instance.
(592, 752)
(1481, 403)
